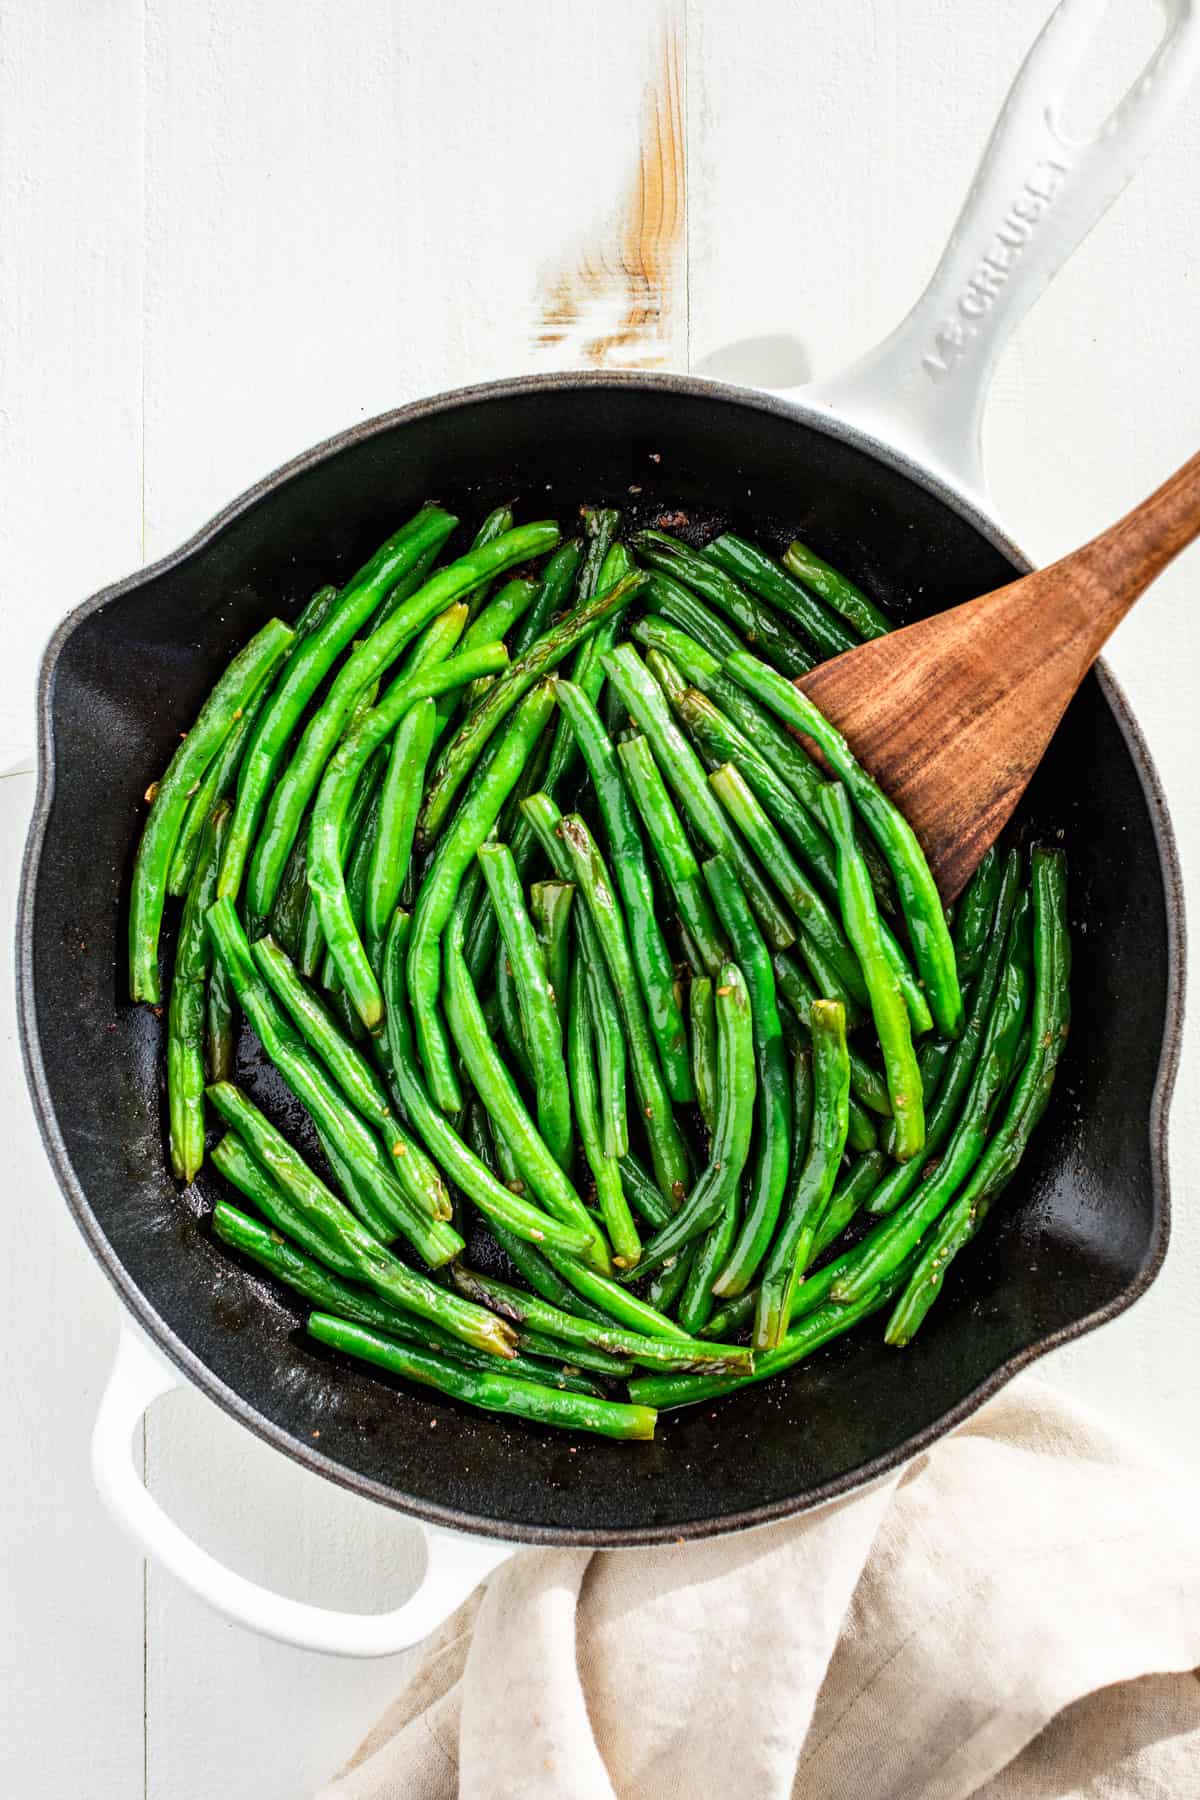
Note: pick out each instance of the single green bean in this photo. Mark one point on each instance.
(511, 1022)
(543, 1027)
(610, 1297)
(398, 808)
(497, 522)
(220, 1048)
(704, 1048)
(610, 1193)
(643, 1192)
(971, 935)
(435, 641)
(498, 617)
(477, 1387)
(185, 1010)
(287, 915)
(668, 676)
(836, 590)
(310, 951)
(667, 1284)
(570, 1359)
(673, 852)
(861, 919)
(710, 1254)
(550, 907)
(513, 830)
(228, 700)
(973, 923)
(773, 1100)
(358, 872)
(848, 1198)
(600, 527)
(792, 1249)
(544, 818)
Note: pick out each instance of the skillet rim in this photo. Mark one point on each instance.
(793, 409)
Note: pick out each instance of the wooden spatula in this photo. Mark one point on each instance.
(952, 715)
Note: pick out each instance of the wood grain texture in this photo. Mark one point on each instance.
(619, 300)
(952, 715)
(272, 222)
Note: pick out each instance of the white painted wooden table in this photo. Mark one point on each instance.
(229, 229)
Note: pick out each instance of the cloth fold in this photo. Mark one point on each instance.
(1013, 1616)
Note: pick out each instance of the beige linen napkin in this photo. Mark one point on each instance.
(1015, 1616)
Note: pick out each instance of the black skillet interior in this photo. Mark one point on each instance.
(1083, 1228)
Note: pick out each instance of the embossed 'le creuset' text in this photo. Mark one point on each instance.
(995, 266)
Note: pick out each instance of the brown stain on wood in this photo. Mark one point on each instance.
(632, 271)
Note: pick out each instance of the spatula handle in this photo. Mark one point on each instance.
(1036, 195)
(1107, 575)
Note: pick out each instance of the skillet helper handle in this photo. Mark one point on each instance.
(1036, 195)
(456, 1563)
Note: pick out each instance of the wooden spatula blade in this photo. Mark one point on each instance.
(952, 715)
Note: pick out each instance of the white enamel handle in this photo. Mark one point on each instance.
(1036, 195)
(456, 1563)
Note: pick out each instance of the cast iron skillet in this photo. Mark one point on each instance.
(1084, 1227)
